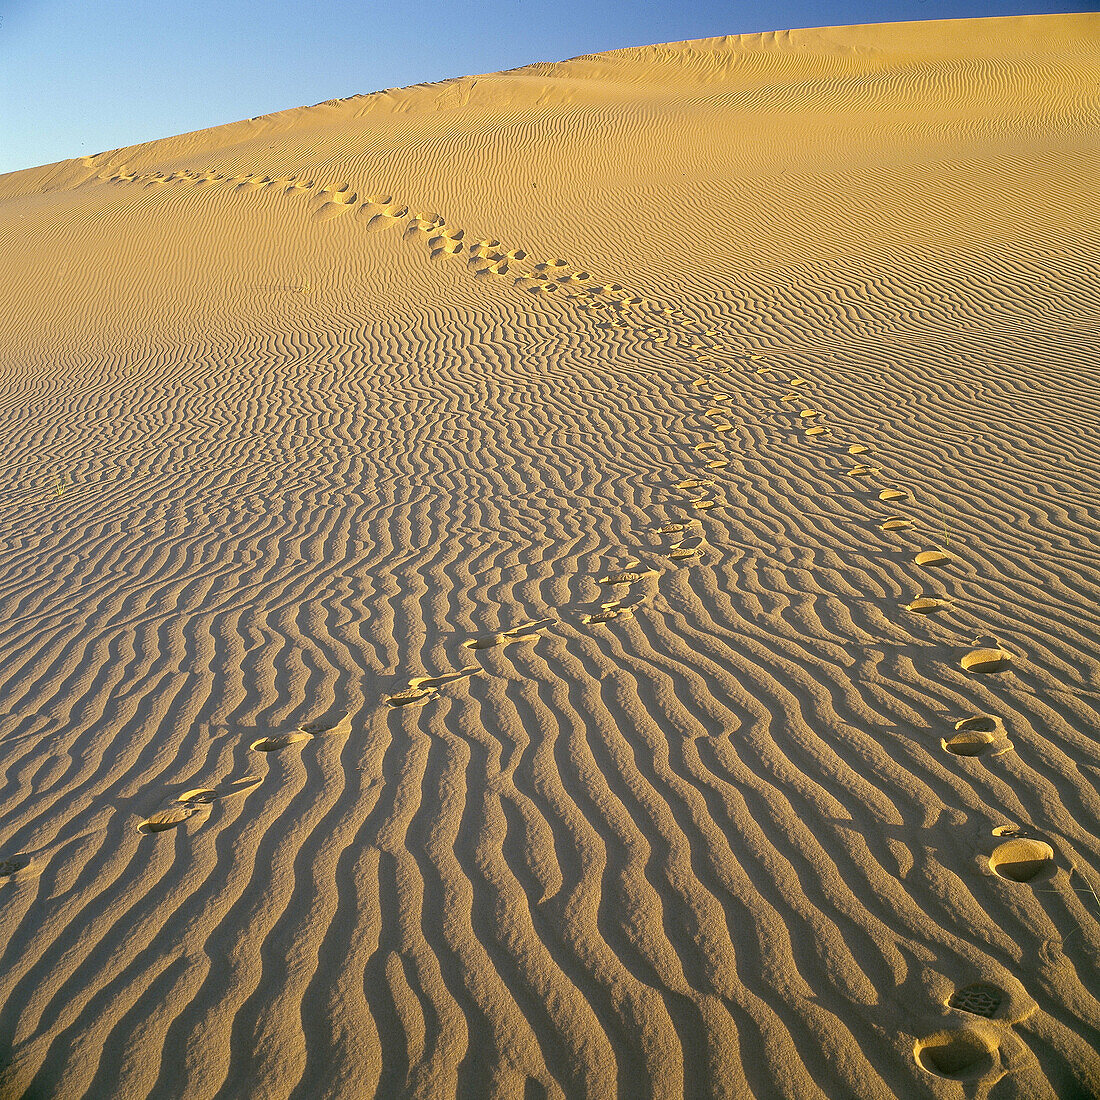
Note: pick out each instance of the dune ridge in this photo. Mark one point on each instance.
(575, 582)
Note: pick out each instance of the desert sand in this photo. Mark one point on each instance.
(576, 582)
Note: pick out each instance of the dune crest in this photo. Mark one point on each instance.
(570, 582)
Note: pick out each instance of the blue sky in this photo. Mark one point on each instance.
(81, 76)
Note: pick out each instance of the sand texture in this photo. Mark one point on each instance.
(577, 582)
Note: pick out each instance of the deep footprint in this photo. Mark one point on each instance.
(1022, 860)
(957, 1055)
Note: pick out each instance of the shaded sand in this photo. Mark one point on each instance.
(411, 689)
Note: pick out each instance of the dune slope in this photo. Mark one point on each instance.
(574, 582)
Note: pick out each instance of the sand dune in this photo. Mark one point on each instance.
(573, 582)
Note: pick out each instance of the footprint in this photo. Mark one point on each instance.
(199, 796)
(524, 633)
(278, 741)
(932, 557)
(896, 523)
(977, 734)
(204, 796)
(194, 801)
(893, 494)
(858, 449)
(253, 183)
(705, 446)
(972, 743)
(675, 528)
(717, 464)
(609, 613)
(979, 999)
(381, 215)
(962, 1054)
(686, 548)
(445, 244)
(986, 660)
(432, 223)
(691, 484)
(419, 682)
(863, 471)
(318, 729)
(335, 204)
(1022, 860)
(167, 819)
(816, 431)
(489, 641)
(18, 868)
(928, 605)
(626, 578)
(808, 414)
(410, 697)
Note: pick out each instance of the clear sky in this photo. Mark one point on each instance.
(82, 76)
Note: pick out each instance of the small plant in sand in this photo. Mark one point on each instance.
(60, 485)
(1087, 888)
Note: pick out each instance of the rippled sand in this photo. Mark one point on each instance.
(575, 582)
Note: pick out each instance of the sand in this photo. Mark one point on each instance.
(577, 582)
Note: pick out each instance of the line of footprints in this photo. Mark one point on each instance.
(973, 735)
(483, 258)
(1018, 855)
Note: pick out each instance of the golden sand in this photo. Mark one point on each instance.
(411, 689)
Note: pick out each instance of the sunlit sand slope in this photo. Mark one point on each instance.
(579, 582)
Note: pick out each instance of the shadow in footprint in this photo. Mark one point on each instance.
(986, 659)
(611, 611)
(677, 528)
(977, 735)
(527, 632)
(18, 868)
(928, 605)
(1023, 859)
(686, 548)
(195, 800)
(280, 741)
(422, 689)
(627, 578)
(962, 1054)
(932, 557)
(276, 741)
